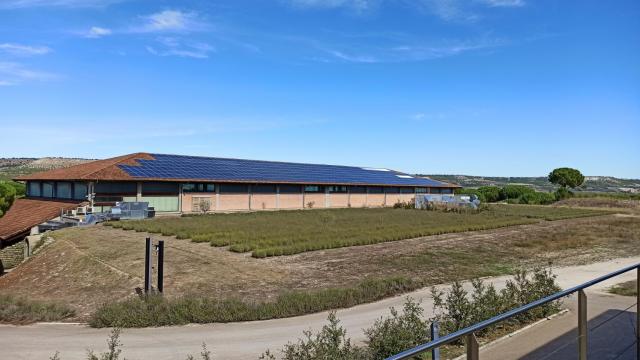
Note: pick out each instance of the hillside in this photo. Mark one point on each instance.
(592, 183)
(12, 167)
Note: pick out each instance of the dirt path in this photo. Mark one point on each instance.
(244, 340)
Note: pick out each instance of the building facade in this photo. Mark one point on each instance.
(191, 184)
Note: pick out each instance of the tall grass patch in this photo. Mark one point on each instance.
(17, 310)
(159, 311)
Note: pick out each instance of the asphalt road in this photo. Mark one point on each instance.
(246, 340)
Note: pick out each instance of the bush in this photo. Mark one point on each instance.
(456, 310)
(490, 193)
(399, 332)
(330, 343)
(514, 191)
(537, 198)
(563, 193)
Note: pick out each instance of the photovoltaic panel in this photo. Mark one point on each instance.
(181, 167)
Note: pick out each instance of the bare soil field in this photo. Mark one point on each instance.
(87, 267)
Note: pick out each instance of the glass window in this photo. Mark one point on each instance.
(47, 189)
(234, 188)
(120, 188)
(337, 189)
(198, 187)
(34, 188)
(446, 191)
(434, 191)
(407, 190)
(375, 190)
(159, 188)
(263, 189)
(290, 189)
(79, 191)
(63, 190)
(421, 190)
(392, 190)
(314, 189)
(358, 189)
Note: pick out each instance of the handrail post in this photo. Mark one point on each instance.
(435, 335)
(582, 325)
(473, 349)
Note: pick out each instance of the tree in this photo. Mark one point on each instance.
(566, 177)
(7, 195)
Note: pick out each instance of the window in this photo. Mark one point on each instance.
(79, 191)
(63, 190)
(263, 189)
(358, 189)
(407, 190)
(446, 191)
(47, 189)
(34, 188)
(392, 190)
(198, 187)
(234, 188)
(290, 189)
(375, 190)
(159, 188)
(120, 188)
(337, 189)
(314, 189)
(421, 190)
(434, 191)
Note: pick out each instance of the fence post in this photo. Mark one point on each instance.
(638, 313)
(582, 325)
(435, 335)
(160, 266)
(473, 349)
(147, 266)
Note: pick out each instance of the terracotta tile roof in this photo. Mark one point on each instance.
(107, 169)
(27, 213)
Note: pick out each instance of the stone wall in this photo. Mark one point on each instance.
(13, 255)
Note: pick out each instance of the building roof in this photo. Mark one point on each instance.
(27, 213)
(162, 167)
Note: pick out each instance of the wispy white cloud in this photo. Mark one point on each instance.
(97, 32)
(16, 4)
(503, 3)
(170, 21)
(171, 46)
(12, 73)
(408, 51)
(358, 5)
(23, 50)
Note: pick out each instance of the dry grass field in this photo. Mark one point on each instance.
(87, 267)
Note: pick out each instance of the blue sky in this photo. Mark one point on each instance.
(484, 87)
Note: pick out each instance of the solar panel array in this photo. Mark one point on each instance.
(180, 167)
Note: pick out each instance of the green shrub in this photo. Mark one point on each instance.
(399, 332)
(537, 198)
(515, 191)
(490, 193)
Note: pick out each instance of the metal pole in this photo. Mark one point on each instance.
(147, 266)
(638, 313)
(473, 349)
(582, 325)
(160, 266)
(435, 335)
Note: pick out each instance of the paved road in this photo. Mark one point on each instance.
(232, 341)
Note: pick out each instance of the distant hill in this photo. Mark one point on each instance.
(12, 167)
(592, 183)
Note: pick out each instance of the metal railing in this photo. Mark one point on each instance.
(472, 346)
